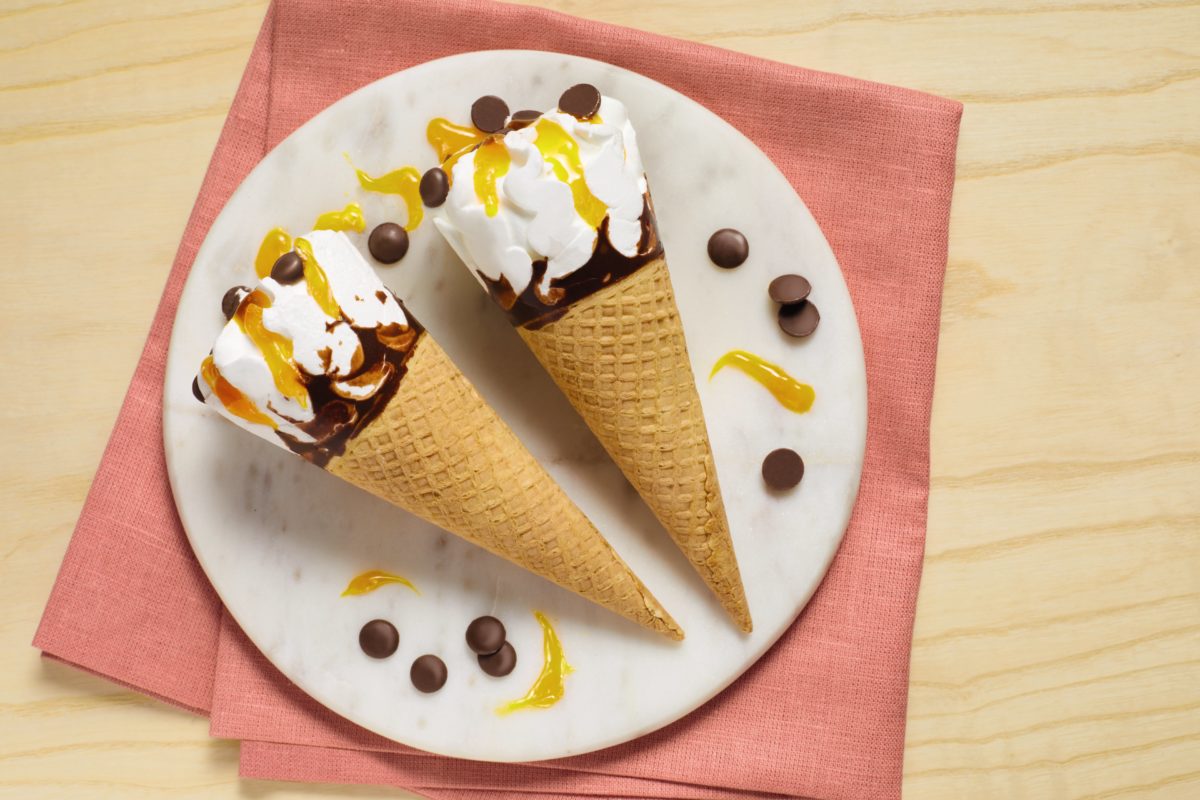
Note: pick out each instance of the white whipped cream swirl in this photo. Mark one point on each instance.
(536, 216)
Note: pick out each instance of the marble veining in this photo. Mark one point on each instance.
(280, 539)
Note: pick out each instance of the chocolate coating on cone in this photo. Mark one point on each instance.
(607, 266)
(338, 419)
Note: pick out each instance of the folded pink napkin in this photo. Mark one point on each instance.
(822, 714)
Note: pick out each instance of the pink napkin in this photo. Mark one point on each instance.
(822, 714)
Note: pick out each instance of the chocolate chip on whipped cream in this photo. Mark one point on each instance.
(489, 113)
(581, 101)
(232, 300)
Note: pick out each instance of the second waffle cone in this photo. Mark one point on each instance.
(620, 357)
(440, 451)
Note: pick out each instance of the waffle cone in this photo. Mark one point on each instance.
(440, 451)
(619, 356)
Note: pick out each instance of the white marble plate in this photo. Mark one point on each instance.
(280, 539)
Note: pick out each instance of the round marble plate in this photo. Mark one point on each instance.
(280, 539)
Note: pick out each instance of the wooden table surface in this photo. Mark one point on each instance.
(1057, 645)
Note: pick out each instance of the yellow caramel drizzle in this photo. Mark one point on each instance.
(318, 284)
(374, 579)
(550, 685)
(405, 182)
(234, 401)
(491, 163)
(449, 139)
(791, 393)
(562, 153)
(276, 349)
(349, 218)
(274, 244)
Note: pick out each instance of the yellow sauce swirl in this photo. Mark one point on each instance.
(791, 393)
(349, 218)
(550, 685)
(491, 163)
(405, 182)
(449, 139)
(276, 349)
(562, 153)
(318, 284)
(274, 244)
(234, 401)
(373, 579)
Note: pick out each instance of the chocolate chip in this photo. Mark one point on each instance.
(388, 243)
(378, 638)
(782, 468)
(428, 674)
(489, 113)
(499, 663)
(799, 319)
(196, 393)
(728, 248)
(435, 185)
(787, 289)
(288, 268)
(485, 635)
(581, 101)
(232, 299)
(522, 119)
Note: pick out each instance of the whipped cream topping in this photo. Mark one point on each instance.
(545, 197)
(302, 364)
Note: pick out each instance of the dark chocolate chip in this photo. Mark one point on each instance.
(388, 243)
(788, 289)
(489, 113)
(435, 185)
(728, 248)
(799, 319)
(581, 101)
(523, 118)
(485, 635)
(288, 268)
(499, 663)
(196, 393)
(378, 638)
(428, 673)
(782, 468)
(232, 299)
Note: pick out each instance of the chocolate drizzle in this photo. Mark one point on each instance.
(532, 308)
(338, 419)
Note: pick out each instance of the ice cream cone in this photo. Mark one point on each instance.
(554, 216)
(619, 356)
(438, 450)
(321, 359)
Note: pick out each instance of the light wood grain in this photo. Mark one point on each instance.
(1057, 649)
